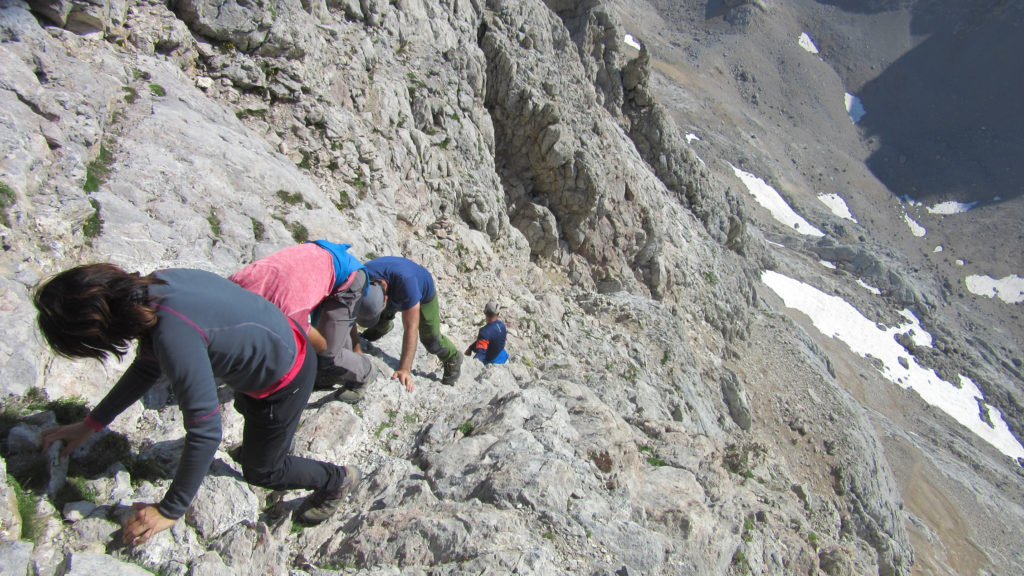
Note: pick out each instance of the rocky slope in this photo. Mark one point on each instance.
(660, 415)
(738, 78)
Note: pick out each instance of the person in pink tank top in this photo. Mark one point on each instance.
(325, 290)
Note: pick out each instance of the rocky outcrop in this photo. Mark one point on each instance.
(512, 149)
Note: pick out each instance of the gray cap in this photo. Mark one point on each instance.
(491, 309)
(370, 306)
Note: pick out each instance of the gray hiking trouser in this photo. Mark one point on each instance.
(339, 363)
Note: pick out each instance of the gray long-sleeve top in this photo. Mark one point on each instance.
(209, 330)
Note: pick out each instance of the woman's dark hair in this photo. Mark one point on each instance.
(93, 310)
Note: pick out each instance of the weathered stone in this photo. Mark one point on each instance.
(15, 557)
(90, 564)
(223, 500)
(247, 546)
(736, 399)
(24, 439)
(75, 511)
(209, 564)
(56, 11)
(540, 228)
(10, 519)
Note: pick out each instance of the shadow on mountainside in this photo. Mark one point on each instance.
(946, 115)
(928, 15)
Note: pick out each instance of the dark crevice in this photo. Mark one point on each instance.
(36, 109)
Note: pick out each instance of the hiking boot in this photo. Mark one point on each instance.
(452, 369)
(377, 332)
(322, 504)
(354, 391)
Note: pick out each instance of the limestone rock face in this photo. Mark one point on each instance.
(515, 150)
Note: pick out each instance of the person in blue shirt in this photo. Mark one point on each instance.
(409, 289)
(489, 346)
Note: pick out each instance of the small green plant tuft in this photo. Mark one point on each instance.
(108, 449)
(7, 199)
(359, 184)
(748, 527)
(307, 160)
(290, 198)
(130, 94)
(214, 223)
(93, 225)
(343, 202)
(27, 502)
(157, 90)
(549, 535)
(739, 560)
(466, 428)
(299, 232)
(656, 462)
(145, 470)
(9, 418)
(35, 398)
(631, 374)
(258, 229)
(96, 172)
(251, 113)
(68, 410)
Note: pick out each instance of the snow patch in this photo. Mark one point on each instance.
(869, 287)
(807, 44)
(690, 137)
(767, 196)
(854, 108)
(836, 318)
(915, 228)
(631, 41)
(827, 264)
(837, 205)
(937, 249)
(917, 334)
(1009, 289)
(951, 207)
